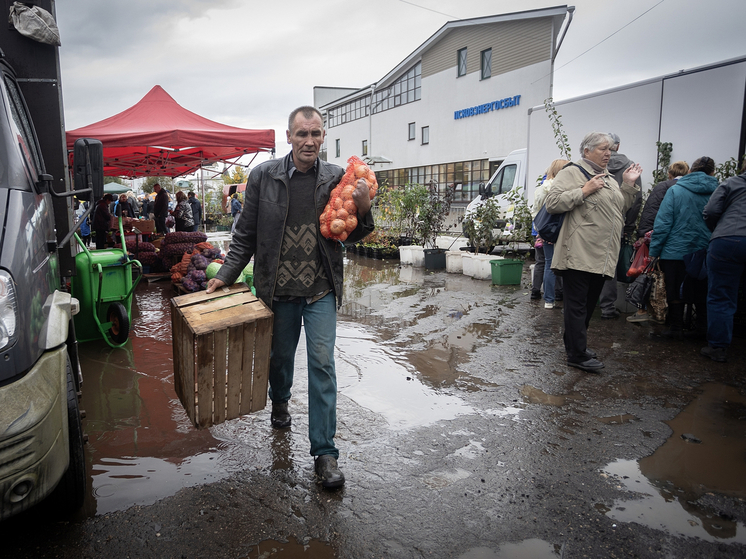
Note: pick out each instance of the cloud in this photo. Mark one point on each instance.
(248, 64)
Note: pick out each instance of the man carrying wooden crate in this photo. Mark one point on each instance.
(298, 274)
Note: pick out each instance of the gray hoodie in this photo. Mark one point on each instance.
(618, 163)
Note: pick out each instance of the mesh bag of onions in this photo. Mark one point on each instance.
(339, 217)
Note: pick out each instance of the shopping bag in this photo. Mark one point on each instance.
(639, 261)
(626, 252)
(657, 303)
(639, 290)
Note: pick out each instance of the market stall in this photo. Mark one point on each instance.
(159, 137)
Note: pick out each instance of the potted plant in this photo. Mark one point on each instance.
(430, 220)
(520, 221)
(480, 226)
(224, 223)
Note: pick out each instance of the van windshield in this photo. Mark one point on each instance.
(503, 181)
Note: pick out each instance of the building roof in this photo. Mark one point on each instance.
(557, 12)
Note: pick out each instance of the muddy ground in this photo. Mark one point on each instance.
(463, 434)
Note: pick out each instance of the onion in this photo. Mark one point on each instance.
(350, 223)
(337, 226)
(361, 171)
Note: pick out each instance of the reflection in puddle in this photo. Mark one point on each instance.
(717, 418)
(374, 377)
(535, 396)
(618, 419)
(119, 483)
(141, 445)
(664, 507)
(682, 471)
(527, 549)
(438, 363)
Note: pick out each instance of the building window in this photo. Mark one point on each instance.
(486, 63)
(406, 89)
(365, 148)
(338, 150)
(411, 134)
(461, 62)
(425, 135)
(352, 110)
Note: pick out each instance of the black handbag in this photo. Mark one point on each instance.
(638, 292)
(548, 225)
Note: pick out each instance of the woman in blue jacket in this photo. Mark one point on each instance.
(679, 230)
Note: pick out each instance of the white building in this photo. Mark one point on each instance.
(454, 108)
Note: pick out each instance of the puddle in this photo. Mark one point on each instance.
(141, 445)
(376, 377)
(664, 507)
(618, 419)
(527, 549)
(682, 477)
(438, 363)
(533, 395)
(717, 418)
(271, 549)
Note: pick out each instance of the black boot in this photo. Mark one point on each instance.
(280, 416)
(675, 320)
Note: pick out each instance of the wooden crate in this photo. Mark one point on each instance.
(221, 353)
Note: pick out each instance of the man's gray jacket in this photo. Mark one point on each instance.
(260, 229)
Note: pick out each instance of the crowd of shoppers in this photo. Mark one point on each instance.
(695, 228)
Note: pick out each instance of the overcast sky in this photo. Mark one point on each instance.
(249, 63)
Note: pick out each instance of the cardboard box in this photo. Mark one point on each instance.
(221, 353)
(145, 225)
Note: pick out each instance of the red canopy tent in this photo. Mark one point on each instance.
(159, 137)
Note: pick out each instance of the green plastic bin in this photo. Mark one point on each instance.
(506, 272)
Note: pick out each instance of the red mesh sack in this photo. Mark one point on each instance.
(339, 217)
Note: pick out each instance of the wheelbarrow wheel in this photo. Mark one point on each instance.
(120, 323)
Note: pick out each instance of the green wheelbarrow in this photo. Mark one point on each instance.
(104, 285)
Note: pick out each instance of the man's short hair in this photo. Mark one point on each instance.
(307, 111)
(191, 193)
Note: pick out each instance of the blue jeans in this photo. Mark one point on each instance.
(726, 259)
(319, 320)
(548, 273)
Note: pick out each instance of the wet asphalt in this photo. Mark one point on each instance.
(462, 434)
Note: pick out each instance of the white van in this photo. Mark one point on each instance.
(510, 175)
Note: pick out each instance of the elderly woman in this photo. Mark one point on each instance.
(183, 213)
(587, 249)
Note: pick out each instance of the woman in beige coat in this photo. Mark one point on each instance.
(587, 249)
